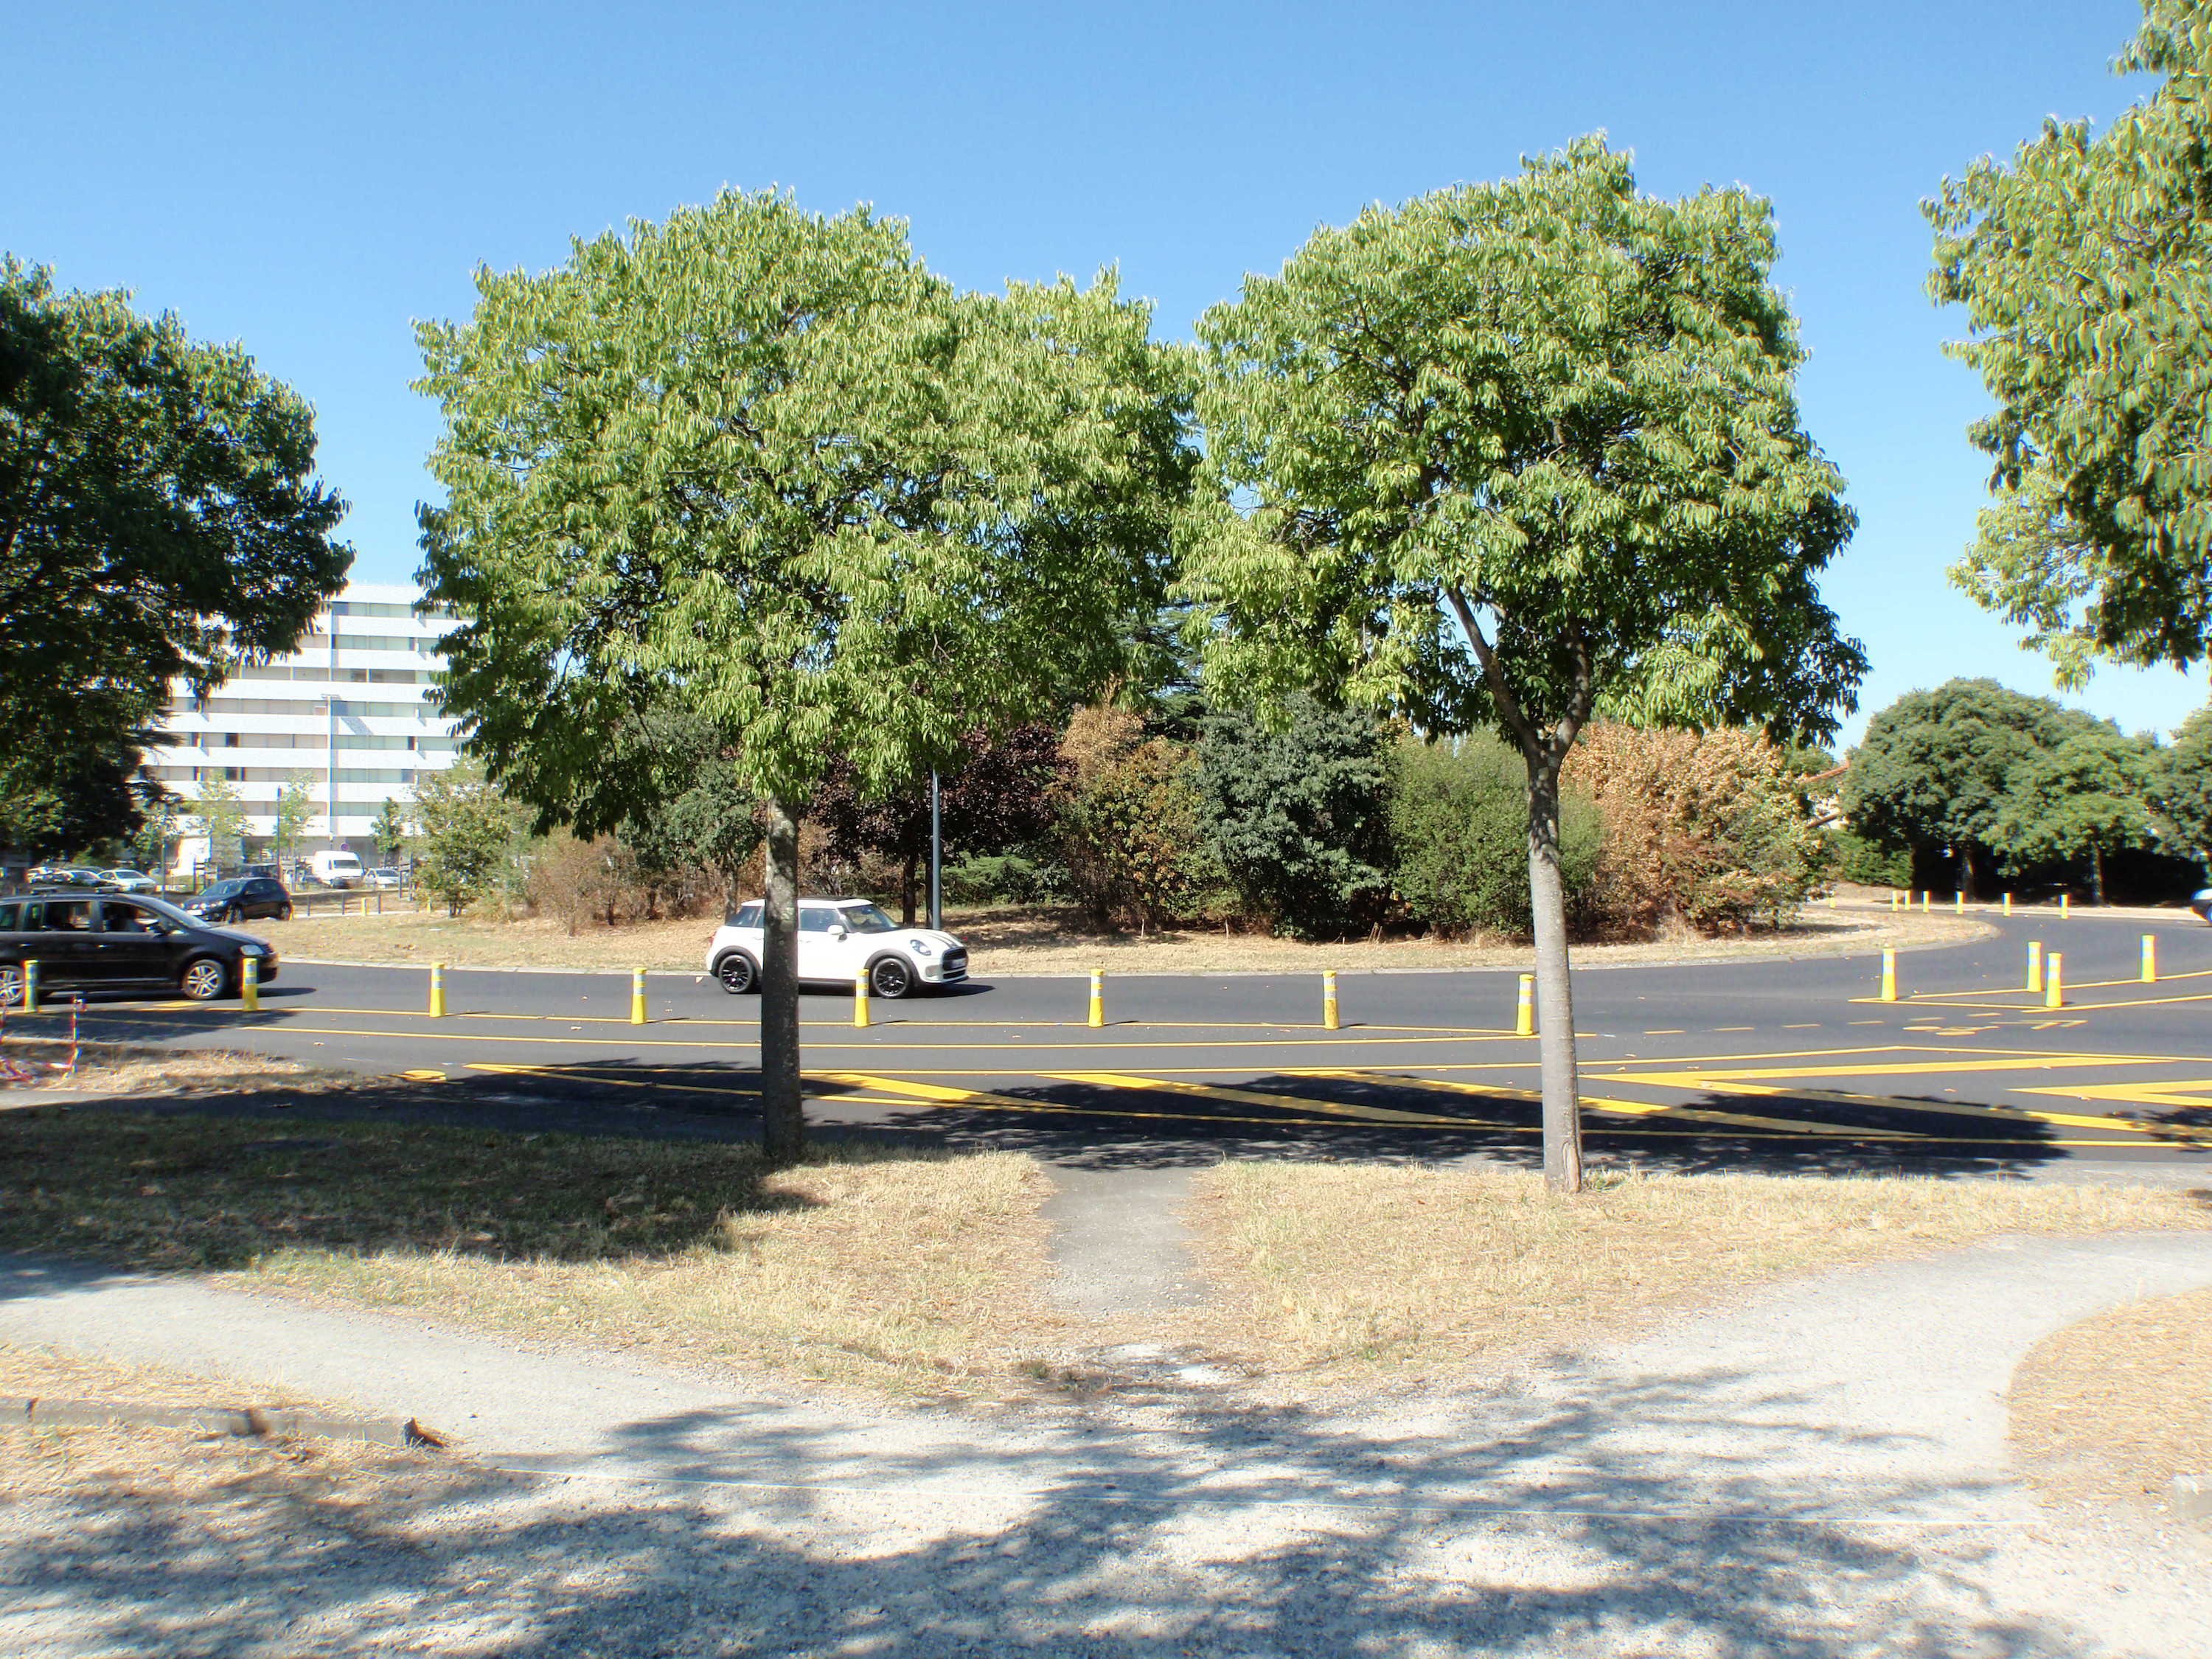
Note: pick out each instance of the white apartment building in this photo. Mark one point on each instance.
(346, 714)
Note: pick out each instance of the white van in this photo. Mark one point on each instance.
(336, 869)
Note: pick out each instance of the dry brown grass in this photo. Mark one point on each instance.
(155, 1478)
(906, 1273)
(1346, 1272)
(2112, 1408)
(1048, 941)
(122, 1068)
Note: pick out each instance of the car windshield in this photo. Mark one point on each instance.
(865, 919)
(224, 890)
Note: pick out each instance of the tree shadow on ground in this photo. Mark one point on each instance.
(1692, 1512)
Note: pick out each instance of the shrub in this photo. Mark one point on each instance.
(1300, 818)
(1005, 878)
(1129, 823)
(1459, 816)
(1705, 830)
(1854, 858)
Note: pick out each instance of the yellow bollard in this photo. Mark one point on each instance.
(1959, 902)
(2151, 959)
(1328, 1020)
(1895, 903)
(1097, 998)
(637, 1011)
(1927, 898)
(2054, 981)
(2066, 905)
(861, 997)
(2035, 964)
(31, 987)
(2008, 903)
(1524, 1012)
(437, 990)
(1888, 976)
(249, 984)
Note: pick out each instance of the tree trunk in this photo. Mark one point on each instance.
(2097, 872)
(783, 1117)
(1555, 1001)
(906, 888)
(1967, 871)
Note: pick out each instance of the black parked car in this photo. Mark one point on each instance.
(112, 944)
(240, 897)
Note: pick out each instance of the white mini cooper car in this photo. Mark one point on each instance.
(839, 940)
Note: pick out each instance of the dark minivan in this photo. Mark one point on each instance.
(241, 896)
(109, 943)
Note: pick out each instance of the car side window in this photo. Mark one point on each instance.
(748, 915)
(10, 914)
(59, 916)
(130, 919)
(815, 919)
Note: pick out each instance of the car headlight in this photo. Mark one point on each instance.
(921, 947)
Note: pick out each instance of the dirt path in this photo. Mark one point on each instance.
(1820, 1471)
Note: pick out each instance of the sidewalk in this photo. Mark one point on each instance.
(1820, 1470)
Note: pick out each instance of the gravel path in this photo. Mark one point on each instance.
(1819, 1471)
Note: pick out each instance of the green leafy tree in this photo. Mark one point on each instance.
(220, 816)
(387, 831)
(156, 835)
(1936, 767)
(1459, 822)
(2085, 266)
(1300, 817)
(2183, 785)
(2087, 798)
(468, 830)
(1511, 453)
(761, 466)
(158, 519)
(295, 810)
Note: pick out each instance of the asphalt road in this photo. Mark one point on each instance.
(1790, 1064)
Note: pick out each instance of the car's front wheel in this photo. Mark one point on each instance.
(284, 911)
(890, 976)
(11, 986)
(738, 973)
(204, 979)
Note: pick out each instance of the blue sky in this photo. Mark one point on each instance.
(308, 180)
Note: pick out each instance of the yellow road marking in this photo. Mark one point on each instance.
(1255, 1097)
(2195, 1092)
(1638, 1108)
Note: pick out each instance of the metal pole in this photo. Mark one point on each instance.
(936, 853)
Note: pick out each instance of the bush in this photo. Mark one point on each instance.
(1855, 859)
(1705, 830)
(1129, 823)
(1459, 815)
(1005, 878)
(1300, 818)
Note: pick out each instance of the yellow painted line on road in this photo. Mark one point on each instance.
(1965, 1108)
(2190, 1092)
(1816, 1126)
(1255, 1097)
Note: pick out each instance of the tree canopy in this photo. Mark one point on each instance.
(1509, 454)
(2085, 266)
(159, 519)
(2087, 797)
(762, 465)
(1934, 769)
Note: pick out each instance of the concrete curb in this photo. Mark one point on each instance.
(245, 1422)
(2192, 1495)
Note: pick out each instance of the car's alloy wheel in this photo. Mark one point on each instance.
(284, 912)
(11, 987)
(891, 977)
(738, 973)
(204, 980)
